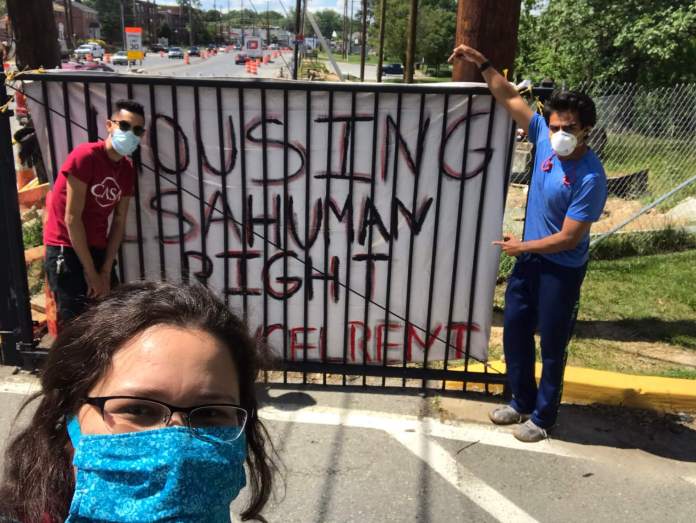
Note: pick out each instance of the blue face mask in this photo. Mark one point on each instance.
(163, 474)
(125, 142)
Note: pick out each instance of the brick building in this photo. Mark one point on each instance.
(85, 20)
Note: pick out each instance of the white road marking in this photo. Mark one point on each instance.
(414, 434)
(394, 423)
(462, 479)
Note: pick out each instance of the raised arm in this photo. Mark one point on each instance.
(503, 91)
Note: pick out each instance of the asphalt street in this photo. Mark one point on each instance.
(379, 456)
(220, 65)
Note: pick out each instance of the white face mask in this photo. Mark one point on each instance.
(563, 143)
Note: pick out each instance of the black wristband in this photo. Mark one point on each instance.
(485, 65)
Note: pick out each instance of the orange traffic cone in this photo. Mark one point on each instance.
(161, 54)
(107, 58)
(187, 59)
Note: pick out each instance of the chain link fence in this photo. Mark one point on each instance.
(646, 139)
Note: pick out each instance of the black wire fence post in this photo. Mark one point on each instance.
(15, 308)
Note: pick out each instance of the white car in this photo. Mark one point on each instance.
(96, 50)
(175, 52)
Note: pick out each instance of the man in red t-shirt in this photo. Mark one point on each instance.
(96, 181)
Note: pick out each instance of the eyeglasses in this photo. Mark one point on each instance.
(134, 414)
(138, 130)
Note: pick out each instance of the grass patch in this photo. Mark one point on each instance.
(632, 309)
(643, 243)
(353, 58)
(652, 296)
(669, 161)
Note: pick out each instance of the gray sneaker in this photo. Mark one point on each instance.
(507, 416)
(530, 432)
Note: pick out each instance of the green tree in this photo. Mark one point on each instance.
(328, 21)
(437, 25)
(651, 43)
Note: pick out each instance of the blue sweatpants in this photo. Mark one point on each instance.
(541, 295)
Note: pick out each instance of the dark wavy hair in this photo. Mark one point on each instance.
(575, 101)
(130, 106)
(38, 477)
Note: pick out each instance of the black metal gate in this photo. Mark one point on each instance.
(265, 223)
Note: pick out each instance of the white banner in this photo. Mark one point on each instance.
(362, 219)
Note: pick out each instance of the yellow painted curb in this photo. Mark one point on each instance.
(584, 386)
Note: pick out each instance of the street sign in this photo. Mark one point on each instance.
(134, 43)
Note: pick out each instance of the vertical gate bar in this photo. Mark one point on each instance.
(286, 217)
(49, 128)
(349, 243)
(327, 195)
(433, 258)
(308, 264)
(264, 168)
(397, 134)
(245, 218)
(368, 268)
(68, 118)
(91, 131)
(201, 186)
(455, 262)
(479, 218)
(137, 163)
(11, 236)
(158, 189)
(225, 206)
(179, 198)
(107, 96)
(414, 202)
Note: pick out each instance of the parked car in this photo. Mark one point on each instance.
(87, 66)
(240, 59)
(96, 50)
(175, 52)
(194, 51)
(120, 58)
(392, 69)
(157, 48)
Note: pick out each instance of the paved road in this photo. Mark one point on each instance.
(221, 65)
(374, 457)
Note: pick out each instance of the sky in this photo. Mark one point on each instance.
(274, 5)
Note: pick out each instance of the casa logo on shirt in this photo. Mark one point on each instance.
(106, 193)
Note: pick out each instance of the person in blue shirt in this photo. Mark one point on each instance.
(567, 193)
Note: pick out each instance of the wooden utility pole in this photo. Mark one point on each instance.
(382, 19)
(35, 33)
(411, 44)
(69, 22)
(363, 41)
(490, 27)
